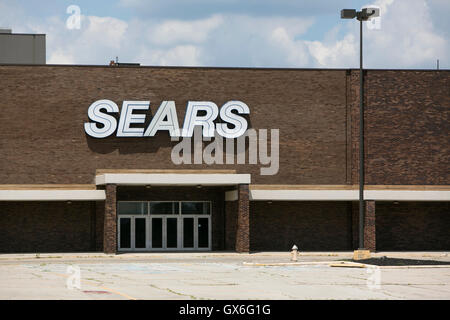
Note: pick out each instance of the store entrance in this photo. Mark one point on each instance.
(164, 226)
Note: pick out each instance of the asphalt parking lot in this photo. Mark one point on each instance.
(216, 276)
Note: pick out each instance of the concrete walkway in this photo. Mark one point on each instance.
(282, 256)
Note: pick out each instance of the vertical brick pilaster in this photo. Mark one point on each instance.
(110, 220)
(369, 226)
(243, 220)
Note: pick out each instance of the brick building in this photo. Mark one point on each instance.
(62, 190)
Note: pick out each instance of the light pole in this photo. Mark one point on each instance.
(363, 15)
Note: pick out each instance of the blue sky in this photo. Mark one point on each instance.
(253, 33)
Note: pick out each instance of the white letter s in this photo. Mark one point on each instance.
(95, 114)
(240, 123)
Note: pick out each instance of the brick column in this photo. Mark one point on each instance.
(369, 226)
(110, 220)
(243, 220)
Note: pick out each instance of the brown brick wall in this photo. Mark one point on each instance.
(312, 226)
(407, 121)
(413, 226)
(231, 208)
(99, 224)
(39, 227)
(93, 224)
(354, 206)
(407, 127)
(44, 109)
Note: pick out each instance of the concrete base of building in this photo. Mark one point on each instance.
(361, 254)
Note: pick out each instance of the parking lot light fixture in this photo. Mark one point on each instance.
(364, 15)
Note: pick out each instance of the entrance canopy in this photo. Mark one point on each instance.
(171, 177)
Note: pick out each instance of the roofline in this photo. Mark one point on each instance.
(22, 34)
(208, 67)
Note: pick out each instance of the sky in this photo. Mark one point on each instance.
(236, 33)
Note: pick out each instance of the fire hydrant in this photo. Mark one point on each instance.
(294, 253)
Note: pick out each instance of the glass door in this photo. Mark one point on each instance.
(167, 225)
(132, 233)
(188, 233)
(132, 225)
(172, 233)
(125, 233)
(165, 232)
(203, 234)
(196, 233)
(156, 233)
(196, 217)
(140, 233)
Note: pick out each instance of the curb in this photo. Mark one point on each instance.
(348, 264)
(416, 266)
(275, 264)
(341, 264)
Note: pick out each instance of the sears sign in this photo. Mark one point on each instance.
(198, 113)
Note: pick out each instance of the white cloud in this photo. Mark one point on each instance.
(408, 39)
(59, 56)
(295, 52)
(175, 31)
(184, 55)
(104, 31)
(338, 54)
(218, 40)
(258, 41)
(95, 42)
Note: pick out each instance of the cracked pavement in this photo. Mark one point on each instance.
(184, 276)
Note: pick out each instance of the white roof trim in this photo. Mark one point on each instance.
(52, 195)
(348, 195)
(304, 195)
(407, 195)
(173, 179)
